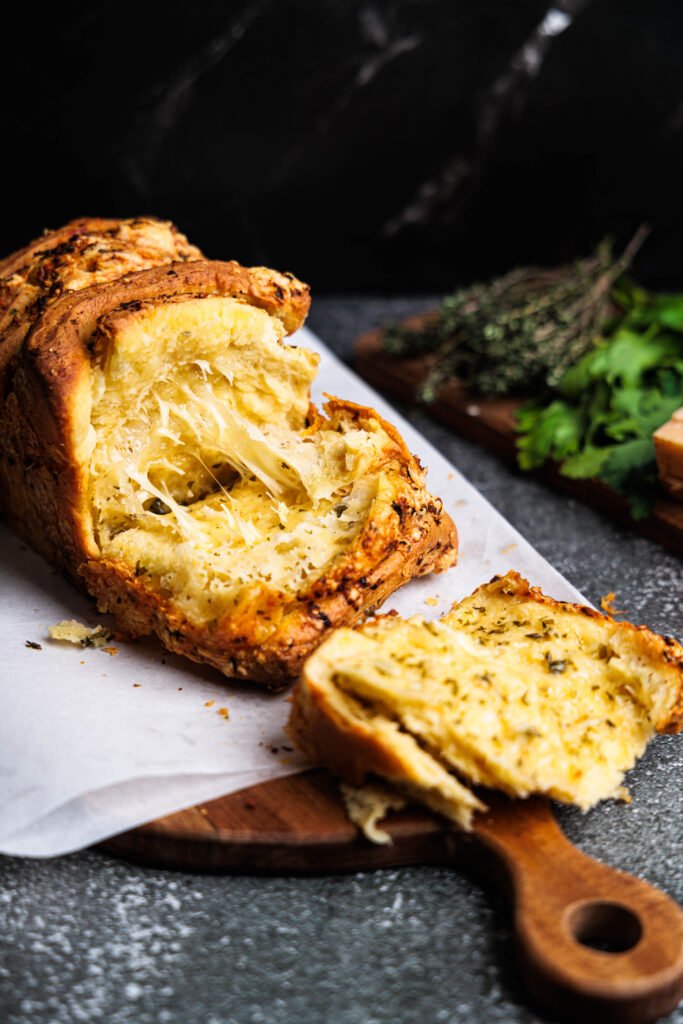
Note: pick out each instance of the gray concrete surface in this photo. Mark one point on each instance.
(88, 938)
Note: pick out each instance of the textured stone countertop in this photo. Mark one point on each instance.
(89, 938)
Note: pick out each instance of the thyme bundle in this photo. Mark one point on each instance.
(519, 333)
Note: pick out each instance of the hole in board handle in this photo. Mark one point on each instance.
(604, 926)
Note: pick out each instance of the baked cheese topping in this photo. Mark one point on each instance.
(205, 472)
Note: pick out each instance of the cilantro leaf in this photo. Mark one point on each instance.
(551, 433)
(668, 310)
(631, 469)
(586, 464)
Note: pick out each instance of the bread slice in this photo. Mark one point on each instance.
(509, 690)
(158, 443)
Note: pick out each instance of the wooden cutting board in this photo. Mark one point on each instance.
(491, 423)
(594, 944)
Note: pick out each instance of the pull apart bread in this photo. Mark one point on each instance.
(158, 444)
(510, 690)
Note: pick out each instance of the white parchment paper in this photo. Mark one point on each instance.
(85, 753)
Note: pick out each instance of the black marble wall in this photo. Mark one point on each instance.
(363, 144)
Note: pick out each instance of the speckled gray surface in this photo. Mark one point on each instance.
(87, 938)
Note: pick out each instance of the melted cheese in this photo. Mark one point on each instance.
(205, 475)
(367, 805)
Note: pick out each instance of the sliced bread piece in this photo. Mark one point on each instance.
(510, 690)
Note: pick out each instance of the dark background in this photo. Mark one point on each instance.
(393, 145)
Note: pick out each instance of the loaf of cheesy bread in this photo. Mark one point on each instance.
(158, 444)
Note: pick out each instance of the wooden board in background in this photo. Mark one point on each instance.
(491, 423)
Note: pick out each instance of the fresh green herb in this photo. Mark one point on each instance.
(519, 333)
(607, 406)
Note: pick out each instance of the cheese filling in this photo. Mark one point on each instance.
(206, 475)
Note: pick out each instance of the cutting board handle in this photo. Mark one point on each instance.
(594, 943)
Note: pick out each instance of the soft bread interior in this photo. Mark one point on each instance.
(509, 690)
(210, 473)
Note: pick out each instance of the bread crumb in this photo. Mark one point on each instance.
(607, 604)
(224, 713)
(33, 645)
(367, 805)
(209, 703)
(112, 651)
(432, 601)
(137, 684)
(74, 632)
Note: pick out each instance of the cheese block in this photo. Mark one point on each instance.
(669, 451)
(158, 444)
(510, 690)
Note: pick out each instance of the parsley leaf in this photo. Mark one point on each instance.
(607, 406)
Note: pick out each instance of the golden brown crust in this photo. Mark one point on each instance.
(54, 251)
(91, 252)
(83, 253)
(49, 335)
